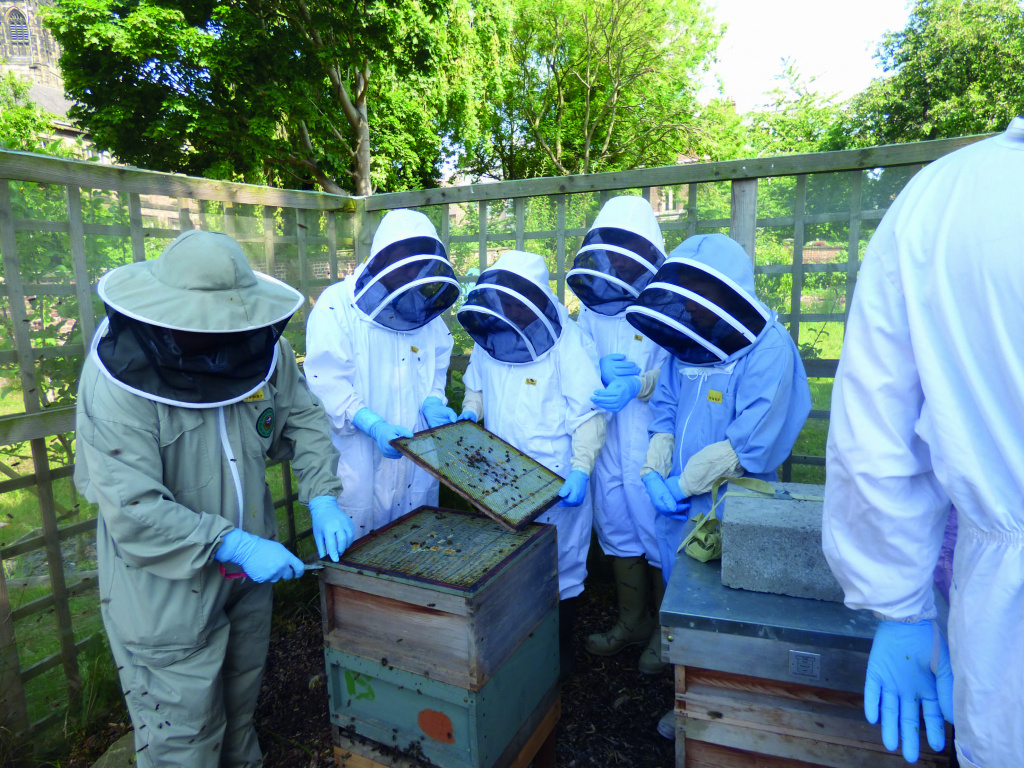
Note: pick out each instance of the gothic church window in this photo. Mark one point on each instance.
(17, 33)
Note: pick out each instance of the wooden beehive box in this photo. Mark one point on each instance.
(766, 680)
(441, 635)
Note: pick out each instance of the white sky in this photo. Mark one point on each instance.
(829, 40)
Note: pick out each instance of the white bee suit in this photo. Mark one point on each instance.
(354, 362)
(619, 256)
(538, 404)
(927, 409)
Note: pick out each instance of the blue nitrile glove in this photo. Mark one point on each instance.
(333, 530)
(673, 483)
(662, 498)
(574, 489)
(261, 559)
(373, 425)
(437, 413)
(909, 663)
(617, 394)
(615, 365)
(468, 416)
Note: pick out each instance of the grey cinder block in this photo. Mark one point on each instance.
(774, 545)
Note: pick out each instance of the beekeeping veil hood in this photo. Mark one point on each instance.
(195, 327)
(619, 256)
(511, 312)
(407, 281)
(701, 305)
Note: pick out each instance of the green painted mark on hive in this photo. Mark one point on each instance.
(358, 686)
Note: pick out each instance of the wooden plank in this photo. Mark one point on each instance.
(269, 228)
(821, 369)
(702, 755)
(332, 247)
(810, 718)
(726, 681)
(539, 749)
(13, 706)
(533, 234)
(786, 269)
(229, 220)
(19, 427)
(814, 317)
(45, 353)
(853, 247)
(691, 210)
(560, 233)
(817, 753)
(28, 166)
(396, 590)
(50, 662)
(743, 218)
(27, 481)
(303, 257)
(55, 565)
(425, 641)
(89, 581)
(184, 215)
(503, 616)
(364, 224)
(16, 303)
(789, 165)
(40, 225)
(519, 206)
(482, 247)
(841, 669)
(83, 285)
(46, 289)
(799, 205)
(288, 502)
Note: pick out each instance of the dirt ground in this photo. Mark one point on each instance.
(609, 709)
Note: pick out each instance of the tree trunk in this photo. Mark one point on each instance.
(361, 170)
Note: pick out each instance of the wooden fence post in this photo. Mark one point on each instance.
(743, 214)
(13, 706)
(135, 227)
(519, 205)
(83, 285)
(560, 236)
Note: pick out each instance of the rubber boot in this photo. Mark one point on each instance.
(566, 625)
(650, 660)
(634, 624)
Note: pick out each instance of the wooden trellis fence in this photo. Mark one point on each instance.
(91, 217)
(75, 220)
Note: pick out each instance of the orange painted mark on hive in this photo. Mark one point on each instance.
(437, 725)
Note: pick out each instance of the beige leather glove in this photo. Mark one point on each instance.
(659, 454)
(587, 442)
(707, 465)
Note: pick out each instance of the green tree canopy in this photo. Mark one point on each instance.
(22, 123)
(355, 95)
(598, 85)
(797, 119)
(956, 69)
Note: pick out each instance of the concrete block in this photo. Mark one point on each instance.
(120, 754)
(774, 545)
